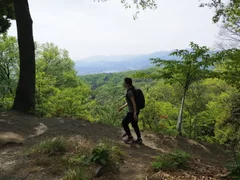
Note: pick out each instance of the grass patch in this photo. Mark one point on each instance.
(55, 146)
(75, 174)
(59, 154)
(177, 159)
(74, 158)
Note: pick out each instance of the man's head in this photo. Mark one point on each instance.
(127, 82)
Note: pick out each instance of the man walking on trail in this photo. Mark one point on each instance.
(133, 112)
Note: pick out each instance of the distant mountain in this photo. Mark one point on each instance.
(109, 64)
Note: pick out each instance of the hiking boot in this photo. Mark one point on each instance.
(138, 141)
(129, 140)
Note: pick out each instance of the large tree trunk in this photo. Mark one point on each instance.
(179, 122)
(25, 95)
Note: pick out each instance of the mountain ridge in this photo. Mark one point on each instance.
(118, 63)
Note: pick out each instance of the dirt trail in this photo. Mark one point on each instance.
(28, 130)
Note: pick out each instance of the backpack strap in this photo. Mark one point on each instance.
(133, 90)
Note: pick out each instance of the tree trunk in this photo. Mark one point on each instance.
(190, 128)
(195, 129)
(179, 122)
(25, 95)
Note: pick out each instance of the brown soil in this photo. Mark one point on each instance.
(18, 132)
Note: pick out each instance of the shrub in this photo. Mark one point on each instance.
(176, 159)
(235, 169)
(108, 156)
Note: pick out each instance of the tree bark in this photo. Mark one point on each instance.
(190, 128)
(179, 122)
(25, 95)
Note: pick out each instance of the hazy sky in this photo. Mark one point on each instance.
(87, 28)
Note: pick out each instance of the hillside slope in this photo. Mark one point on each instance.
(208, 160)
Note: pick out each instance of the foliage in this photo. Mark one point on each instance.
(205, 106)
(59, 92)
(138, 4)
(219, 107)
(6, 15)
(209, 109)
(45, 89)
(173, 160)
(194, 66)
(235, 169)
(6, 103)
(100, 156)
(108, 98)
(73, 102)
(230, 124)
(199, 122)
(56, 63)
(106, 155)
(8, 68)
(158, 115)
(229, 12)
(229, 66)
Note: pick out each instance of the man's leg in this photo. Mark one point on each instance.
(125, 123)
(137, 130)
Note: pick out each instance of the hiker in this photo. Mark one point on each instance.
(133, 112)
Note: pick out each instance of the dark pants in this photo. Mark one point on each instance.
(130, 119)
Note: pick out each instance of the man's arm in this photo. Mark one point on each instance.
(125, 105)
(134, 108)
(134, 105)
(121, 108)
